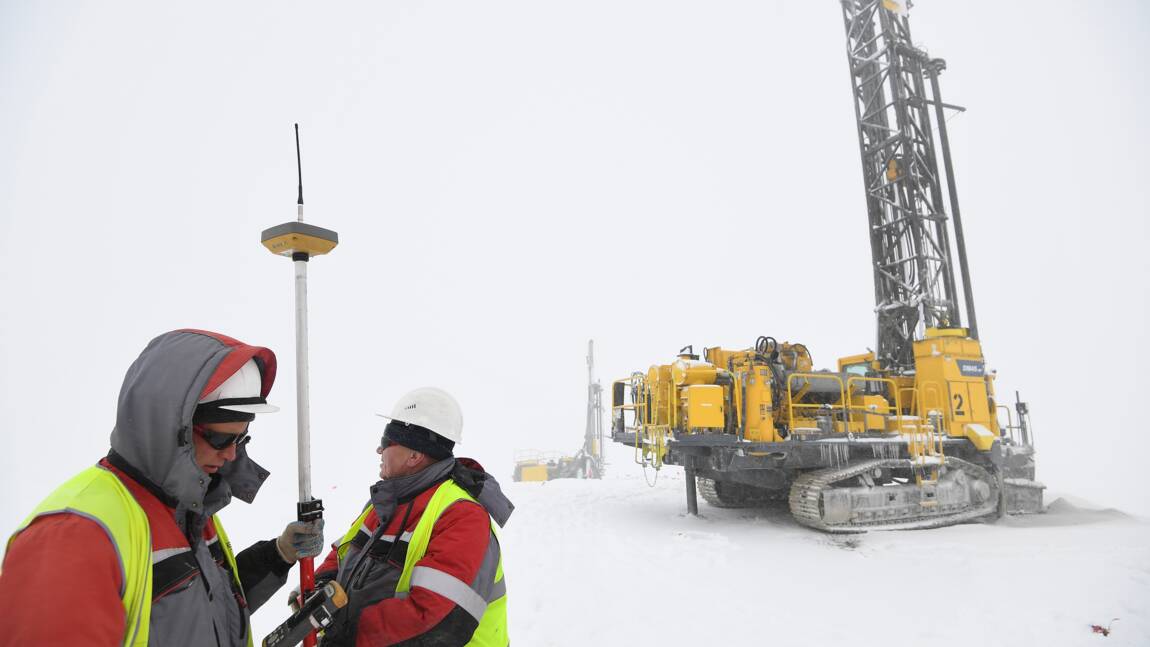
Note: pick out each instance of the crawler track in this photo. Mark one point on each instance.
(732, 495)
(970, 492)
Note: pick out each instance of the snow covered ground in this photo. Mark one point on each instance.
(616, 562)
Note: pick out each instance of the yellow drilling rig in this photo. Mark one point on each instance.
(905, 436)
(588, 461)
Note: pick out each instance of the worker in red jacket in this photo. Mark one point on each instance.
(130, 551)
(422, 564)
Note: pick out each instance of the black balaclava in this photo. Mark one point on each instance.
(420, 439)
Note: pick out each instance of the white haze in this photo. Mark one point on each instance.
(512, 178)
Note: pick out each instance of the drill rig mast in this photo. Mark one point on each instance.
(588, 461)
(593, 436)
(914, 281)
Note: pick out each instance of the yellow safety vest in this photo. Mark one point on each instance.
(97, 494)
(492, 629)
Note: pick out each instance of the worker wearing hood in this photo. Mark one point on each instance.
(130, 551)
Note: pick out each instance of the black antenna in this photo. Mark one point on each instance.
(299, 167)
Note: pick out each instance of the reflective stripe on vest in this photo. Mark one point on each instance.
(356, 527)
(97, 494)
(231, 557)
(492, 613)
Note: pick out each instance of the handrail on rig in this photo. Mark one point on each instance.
(913, 401)
(1009, 422)
(881, 380)
(924, 440)
(931, 447)
(791, 405)
(630, 381)
(650, 439)
(651, 445)
(924, 403)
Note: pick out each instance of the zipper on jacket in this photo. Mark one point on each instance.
(365, 552)
(399, 533)
(360, 570)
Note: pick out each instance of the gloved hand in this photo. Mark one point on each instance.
(300, 539)
(293, 597)
(293, 600)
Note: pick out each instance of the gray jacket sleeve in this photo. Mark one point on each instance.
(262, 572)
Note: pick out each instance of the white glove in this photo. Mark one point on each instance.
(300, 539)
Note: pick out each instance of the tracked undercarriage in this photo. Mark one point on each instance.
(893, 494)
(843, 485)
(888, 494)
(722, 494)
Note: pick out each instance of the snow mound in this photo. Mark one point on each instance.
(1069, 510)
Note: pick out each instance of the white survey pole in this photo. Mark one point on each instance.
(301, 241)
(302, 394)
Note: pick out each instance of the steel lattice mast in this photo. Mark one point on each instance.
(895, 85)
(593, 436)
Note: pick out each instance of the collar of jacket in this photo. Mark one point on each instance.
(119, 462)
(387, 493)
(242, 480)
(218, 494)
(467, 473)
(470, 475)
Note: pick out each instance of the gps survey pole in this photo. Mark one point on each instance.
(301, 241)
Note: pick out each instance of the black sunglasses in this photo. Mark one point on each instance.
(222, 440)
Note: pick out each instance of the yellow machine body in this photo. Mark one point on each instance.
(859, 447)
(951, 378)
(741, 392)
(728, 388)
(703, 404)
(535, 472)
(688, 372)
(757, 412)
(858, 364)
(658, 403)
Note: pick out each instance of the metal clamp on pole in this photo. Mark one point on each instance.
(309, 510)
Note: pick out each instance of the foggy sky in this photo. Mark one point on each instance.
(510, 179)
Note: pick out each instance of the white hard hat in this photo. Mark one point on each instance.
(430, 408)
(244, 384)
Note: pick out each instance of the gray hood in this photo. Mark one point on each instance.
(154, 418)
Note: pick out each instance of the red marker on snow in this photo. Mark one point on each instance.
(1105, 631)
